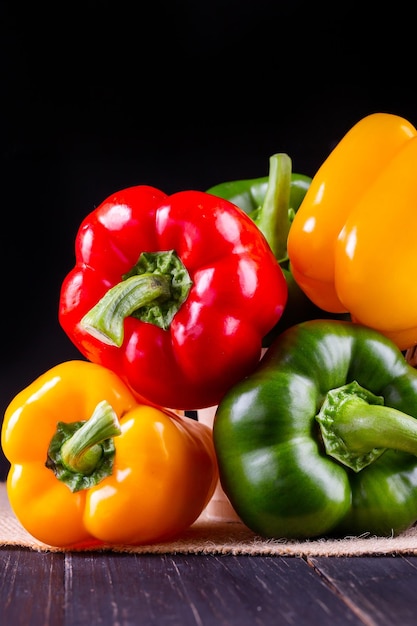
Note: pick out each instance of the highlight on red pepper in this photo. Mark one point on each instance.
(174, 293)
(352, 245)
(90, 465)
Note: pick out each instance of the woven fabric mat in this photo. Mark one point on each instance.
(206, 536)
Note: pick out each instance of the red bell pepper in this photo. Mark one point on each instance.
(173, 293)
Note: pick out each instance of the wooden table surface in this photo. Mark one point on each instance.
(69, 589)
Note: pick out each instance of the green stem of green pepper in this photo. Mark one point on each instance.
(272, 202)
(357, 428)
(249, 194)
(274, 217)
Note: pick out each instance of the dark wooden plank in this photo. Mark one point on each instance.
(31, 587)
(260, 590)
(381, 590)
(191, 590)
(39, 589)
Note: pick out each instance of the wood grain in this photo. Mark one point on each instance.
(381, 591)
(42, 589)
(107, 589)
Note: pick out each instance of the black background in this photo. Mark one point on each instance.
(99, 96)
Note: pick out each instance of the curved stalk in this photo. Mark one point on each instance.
(357, 428)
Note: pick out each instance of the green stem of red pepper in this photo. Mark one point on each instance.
(105, 320)
(356, 427)
(81, 454)
(152, 291)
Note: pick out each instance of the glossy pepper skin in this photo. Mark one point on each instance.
(174, 293)
(352, 242)
(321, 439)
(272, 202)
(140, 474)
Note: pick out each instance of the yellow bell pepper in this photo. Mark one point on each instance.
(352, 245)
(90, 465)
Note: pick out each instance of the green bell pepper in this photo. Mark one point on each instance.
(272, 201)
(321, 439)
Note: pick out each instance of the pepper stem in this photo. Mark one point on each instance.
(105, 321)
(357, 428)
(81, 454)
(274, 218)
(152, 291)
(82, 451)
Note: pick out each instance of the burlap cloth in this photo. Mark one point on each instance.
(206, 536)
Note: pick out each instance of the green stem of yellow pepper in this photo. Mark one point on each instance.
(81, 453)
